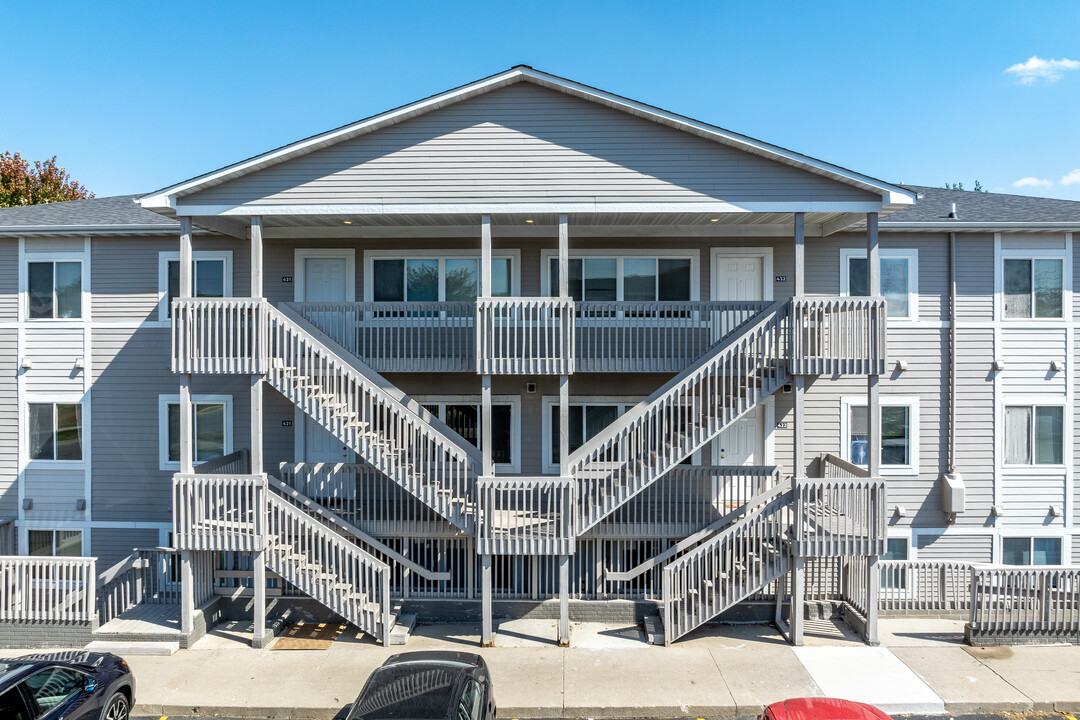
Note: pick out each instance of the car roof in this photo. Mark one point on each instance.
(416, 686)
(14, 669)
(824, 709)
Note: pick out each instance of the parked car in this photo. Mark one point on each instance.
(70, 685)
(427, 686)
(821, 709)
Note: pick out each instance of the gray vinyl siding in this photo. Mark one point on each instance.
(9, 424)
(54, 350)
(1075, 550)
(9, 279)
(965, 548)
(111, 545)
(975, 277)
(975, 422)
(1027, 353)
(54, 491)
(526, 144)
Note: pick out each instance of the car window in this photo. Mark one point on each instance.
(52, 686)
(471, 697)
(12, 705)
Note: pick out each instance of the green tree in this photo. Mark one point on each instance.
(21, 184)
(960, 186)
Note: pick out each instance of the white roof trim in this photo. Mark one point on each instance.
(165, 199)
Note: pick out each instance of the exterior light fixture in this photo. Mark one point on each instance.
(529, 222)
(348, 222)
(714, 219)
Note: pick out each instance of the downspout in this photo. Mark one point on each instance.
(952, 500)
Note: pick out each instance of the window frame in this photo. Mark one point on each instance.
(514, 401)
(84, 445)
(1032, 256)
(1031, 548)
(53, 531)
(619, 255)
(909, 254)
(54, 257)
(164, 401)
(167, 256)
(441, 255)
(1033, 406)
(848, 402)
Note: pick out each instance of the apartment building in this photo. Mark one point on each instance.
(527, 341)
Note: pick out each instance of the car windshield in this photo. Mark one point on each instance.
(409, 693)
(9, 668)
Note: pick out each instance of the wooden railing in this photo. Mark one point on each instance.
(525, 336)
(151, 576)
(400, 336)
(235, 463)
(726, 569)
(219, 512)
(836, 468)
(525, 516)
(48, 589)
(680, 417)
(838, 335)
(219, 336)
(924, 586)
(1040, 601)
(840, 517)
(653, 336)
(329, 567)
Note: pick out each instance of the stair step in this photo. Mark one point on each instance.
(122, 647)
(654, 629)
(403, 627)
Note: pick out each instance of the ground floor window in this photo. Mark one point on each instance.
(55, 543)
(1031, 551)
(895, 578)
(898, 427)
(212, 428)
(464, 418)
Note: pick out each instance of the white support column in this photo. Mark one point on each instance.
(258, 580)
(564, 601)
(798, 591)
(256, 257)
(873, 599)
(187, 594)
(798, 430)
(800, 254)
(873, 410)
(187, 447)
(486, 630)
(256, 425)
(564, 380)
(485, 380)
(187, 427)
(186, 266)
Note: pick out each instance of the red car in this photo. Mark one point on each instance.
(821, 709)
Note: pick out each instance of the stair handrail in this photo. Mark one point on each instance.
(372, 382)
(703, 535)
(676, 384)
(348, 528)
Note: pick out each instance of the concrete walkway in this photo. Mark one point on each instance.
(610, 672)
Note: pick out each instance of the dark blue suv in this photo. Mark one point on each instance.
(71, 685)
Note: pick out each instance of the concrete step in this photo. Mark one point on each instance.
(402, 629)
(654, 630)
(122, 648)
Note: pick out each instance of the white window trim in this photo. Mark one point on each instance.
(302, 254)
(1026, 401)
(912, 402)
(909, 254)
(32, 464)
(619, 254)
(1030, 535)
(370, 256)
(514, 401)
(163, 274)
(163, 425)
(24, 286)
(84, 536)
(1064, 254)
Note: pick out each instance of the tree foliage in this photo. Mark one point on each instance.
(45, 182)
(960, 186)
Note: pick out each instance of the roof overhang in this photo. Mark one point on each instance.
(165, 201)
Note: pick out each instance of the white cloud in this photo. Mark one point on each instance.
(1032, 182)
(1035, 68)
(1071, 178)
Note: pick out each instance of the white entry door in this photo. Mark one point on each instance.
(740, 444)
(738, 278)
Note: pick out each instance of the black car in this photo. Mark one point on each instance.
(71, 685)
(427, 686)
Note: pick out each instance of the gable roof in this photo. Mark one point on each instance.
(164, 200)
(982, 210)
(113, 214)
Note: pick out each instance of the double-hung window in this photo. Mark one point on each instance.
(211, 429)
(898, 427)
(54, 290)
(211, 277)
(436, 279)
(1034, 434)
(1033, 287)
(464, 417)
(1031, 551)
(55, 431)
(630, 279)
(899, 273)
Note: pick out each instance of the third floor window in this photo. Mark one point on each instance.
(54, 290)
(1033, 287)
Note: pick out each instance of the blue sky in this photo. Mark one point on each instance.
(136, 96)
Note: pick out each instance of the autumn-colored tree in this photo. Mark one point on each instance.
(21, 184)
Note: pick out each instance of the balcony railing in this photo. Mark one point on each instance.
(840, 517)
(837, 335)
(219, 336)
(525, 336)
(525, 516)
(219, 512)
(1032, 601)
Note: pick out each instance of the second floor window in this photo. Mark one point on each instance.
(1034, 435)
(631, 279)
(898, 268)
(55, 431)
(211, 277)
(212, 428)
(450, 279)
(1033, 287)
(54, 290)
(898, 428)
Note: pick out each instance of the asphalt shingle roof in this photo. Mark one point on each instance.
(976, 207)
(95, 212)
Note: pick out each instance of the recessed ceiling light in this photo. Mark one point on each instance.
(714, 219)
(529, 221)
(348, 222)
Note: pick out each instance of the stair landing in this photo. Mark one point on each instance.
(146, 629)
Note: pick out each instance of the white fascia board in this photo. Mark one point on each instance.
(53, 229)
(165, 199)
(534, 208)
(953, 225)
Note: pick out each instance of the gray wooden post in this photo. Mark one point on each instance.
(256, 257)
(258, 581)
(873, 598)
(187, 450)
(486, 630)
(187, 594)
(485, 380)
(564, 600)
(186, 266)
(797, 583)
(564, 380)
(798, 592)
(873, 411)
